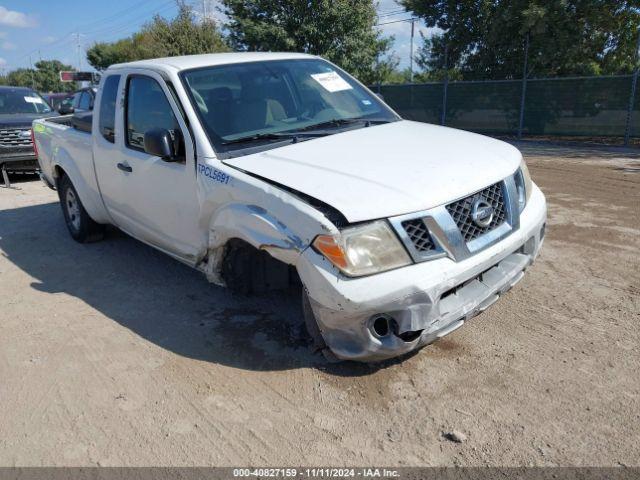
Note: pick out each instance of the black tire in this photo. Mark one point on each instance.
(237, 269)
(248, 271)
(82, 227)
(310, 322)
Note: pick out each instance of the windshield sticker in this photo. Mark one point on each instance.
(331, 81)
(213, 174)
(33, 100)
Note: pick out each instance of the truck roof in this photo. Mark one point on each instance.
(196, 61)
(4, 88)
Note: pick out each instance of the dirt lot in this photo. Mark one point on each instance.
(114, 354)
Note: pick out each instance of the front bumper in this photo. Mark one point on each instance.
(426, 300)
(19, 161)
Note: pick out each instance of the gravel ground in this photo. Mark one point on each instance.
(114, 354)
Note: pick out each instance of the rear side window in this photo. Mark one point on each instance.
(147, 108)
(85, 101)
(107, 123)
(76, 99)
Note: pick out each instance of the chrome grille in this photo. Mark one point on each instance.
(15, 137)
(419, 235)
(460, 211)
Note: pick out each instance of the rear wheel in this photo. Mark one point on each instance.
(81, 226)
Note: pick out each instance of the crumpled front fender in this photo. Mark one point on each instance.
(257, 227)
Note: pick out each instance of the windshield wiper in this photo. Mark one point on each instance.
(305, 132)
(338, 122)
(294, 136)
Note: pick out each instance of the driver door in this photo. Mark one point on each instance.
(159, 203)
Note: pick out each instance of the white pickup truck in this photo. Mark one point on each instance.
(262, 169)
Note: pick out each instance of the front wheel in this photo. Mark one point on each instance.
(81, 226)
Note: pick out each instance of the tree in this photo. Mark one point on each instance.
(340, 30)
(161, 38)
(486, 39)
(45, 77)
(101, 55)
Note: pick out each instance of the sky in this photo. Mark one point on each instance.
(31, 30)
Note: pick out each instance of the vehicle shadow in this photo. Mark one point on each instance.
(160, 299)
(17, 178)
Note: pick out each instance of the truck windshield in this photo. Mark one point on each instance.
(270, 102)
(22, 101)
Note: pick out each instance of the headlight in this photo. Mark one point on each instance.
(363, 250)
(523, 185)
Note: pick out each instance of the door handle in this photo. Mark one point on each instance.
(124, 168)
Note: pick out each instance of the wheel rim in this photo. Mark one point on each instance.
(73, 209)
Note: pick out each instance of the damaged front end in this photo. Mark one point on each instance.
(394, 312)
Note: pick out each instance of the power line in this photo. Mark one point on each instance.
(116, 15)
(396, 21)
(127, 23)
(69, 36)
(391, 13)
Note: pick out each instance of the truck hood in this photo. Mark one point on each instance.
(13, 120)
(386, 170)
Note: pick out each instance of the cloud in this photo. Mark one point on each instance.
(3, 62)
(49, 39)
(12, 18)
(8, 46)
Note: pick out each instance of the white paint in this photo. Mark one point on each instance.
(367, 173)
(387, 170)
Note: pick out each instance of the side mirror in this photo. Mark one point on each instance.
(160, 142)
(65, 109)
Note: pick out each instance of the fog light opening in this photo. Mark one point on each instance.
(380, 326)
(409, 336)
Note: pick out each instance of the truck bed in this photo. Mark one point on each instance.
(60, 142)
(79, 121)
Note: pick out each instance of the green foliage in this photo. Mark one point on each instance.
(486, 39)
(341, 31)
(161, 38)
(102, 54)
(45, 77)
(396, 76)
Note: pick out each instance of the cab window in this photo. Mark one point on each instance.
(108, 107)
(147, 107)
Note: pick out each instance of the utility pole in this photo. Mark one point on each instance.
(77, 34)
(378, 73)
(413, 28)
(524, 85)
(632, 96)
(445, 86)
(204, 10)
(33, 80)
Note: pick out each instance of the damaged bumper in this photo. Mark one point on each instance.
(389, 314)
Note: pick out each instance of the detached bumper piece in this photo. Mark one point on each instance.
(474, 296)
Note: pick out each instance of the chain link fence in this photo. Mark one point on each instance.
(602, 106)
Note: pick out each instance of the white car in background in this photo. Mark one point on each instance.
(260, 169)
